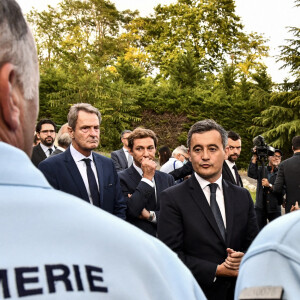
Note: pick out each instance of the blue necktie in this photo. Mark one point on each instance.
(92, 182)
(216, 210)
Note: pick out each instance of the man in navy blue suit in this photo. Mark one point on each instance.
(141, 183)
(81, 172)
(208, 221)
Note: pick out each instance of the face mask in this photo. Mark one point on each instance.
(185, 161)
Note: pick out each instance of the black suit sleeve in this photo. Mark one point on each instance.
(278, 186)
(139, 197)
(252, 170)
(182, 172)
(119, 201)
(252, 227)
(171, 232)
(49, 173)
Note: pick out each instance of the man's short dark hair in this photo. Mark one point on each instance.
(204, 126)
(296, 142)
(141, 133)
(233, 135)
(44, 121)
(125, 131)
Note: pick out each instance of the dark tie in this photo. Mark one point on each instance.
(216, 210)
(236, 175)
(92, 182)
(50, 151)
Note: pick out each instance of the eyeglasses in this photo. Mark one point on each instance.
(184, 156)
(47, 131)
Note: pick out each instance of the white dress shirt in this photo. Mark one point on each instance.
(46, 149)
(81, 165)
(204, 184)
(231, 165)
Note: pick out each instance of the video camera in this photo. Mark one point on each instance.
(263, 150)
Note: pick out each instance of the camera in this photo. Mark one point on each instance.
(263, 150)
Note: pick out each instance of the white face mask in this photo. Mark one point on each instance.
(185, 161)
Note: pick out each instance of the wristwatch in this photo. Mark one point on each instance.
(151, 216)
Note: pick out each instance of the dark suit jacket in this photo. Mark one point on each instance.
(119, 159)
(38, 155)
(289, 176)
(227, 175)
(187, 225)
(143, 196)
(56, 151)
(62, 173)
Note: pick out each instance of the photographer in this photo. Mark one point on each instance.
(267, 206)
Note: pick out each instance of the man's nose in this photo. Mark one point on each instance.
(205, 154)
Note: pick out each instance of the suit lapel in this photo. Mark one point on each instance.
(99, 168)
(41, 154)
(201, 201)
(123, 159)
(229, 207)
(229, 173)
(134, 175)
(159, 188)
(75, 174)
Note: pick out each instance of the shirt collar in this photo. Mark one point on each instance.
(204, 183)
(77, 156)
(229, 164)
(45, 148)
(139, 170)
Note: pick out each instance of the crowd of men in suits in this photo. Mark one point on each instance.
(208, 220)
(69, 248)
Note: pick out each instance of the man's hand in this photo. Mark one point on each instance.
(230, 267)
(295, 207)
(233, 259)
(265, 182)
(148, 167)
(222, 271)
(254, 156)
(145, 214)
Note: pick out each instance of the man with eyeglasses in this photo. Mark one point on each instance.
(45, 131)
(268, 203)
(234, 147)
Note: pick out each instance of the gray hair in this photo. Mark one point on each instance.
(180, 149)
(76, 108)
(207, 125)
(18, 48)
(64, 140)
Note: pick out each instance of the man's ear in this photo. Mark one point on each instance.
(226, 152)
(71, 133)
(9, 102)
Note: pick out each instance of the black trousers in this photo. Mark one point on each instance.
(263, 217)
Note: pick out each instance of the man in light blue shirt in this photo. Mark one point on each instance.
(54, 245)
(273, 259)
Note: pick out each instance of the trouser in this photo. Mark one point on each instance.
(263, 217)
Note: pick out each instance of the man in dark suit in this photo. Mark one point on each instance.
(234, 147)
(141, 183)
(81, 172)
(122, 158)
(229, 171)
(206, 220)
(289, 176)
(45, 131)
